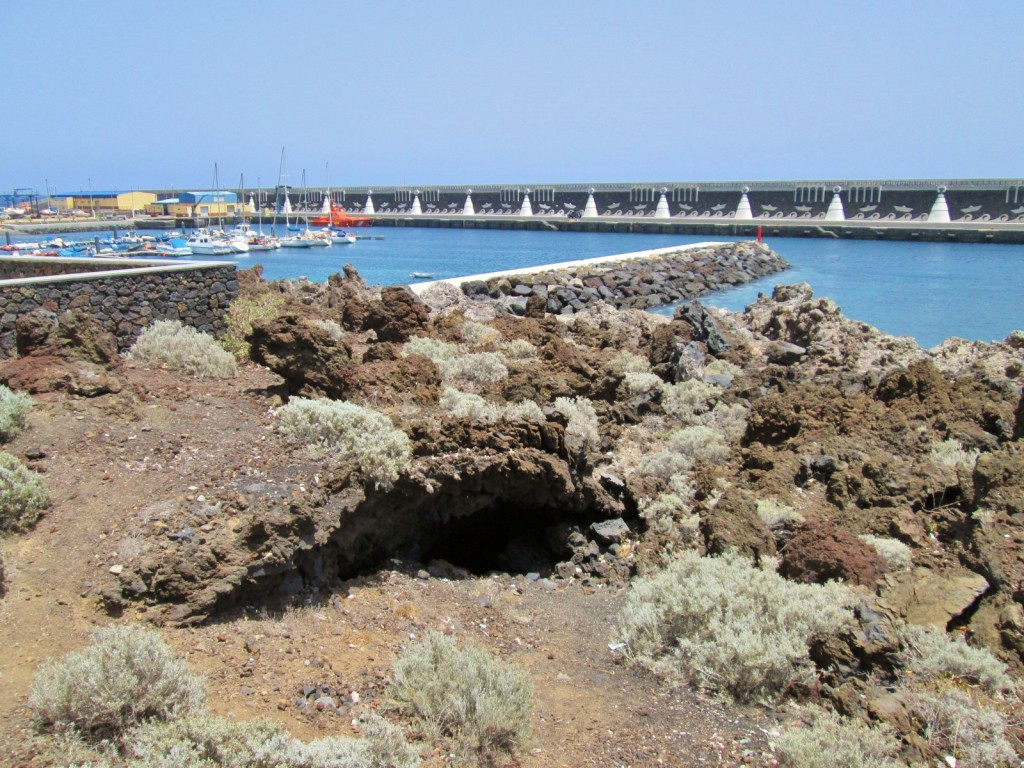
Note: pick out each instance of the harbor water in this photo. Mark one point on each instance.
(929, 291)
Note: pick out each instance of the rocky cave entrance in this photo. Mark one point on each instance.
(504, 537)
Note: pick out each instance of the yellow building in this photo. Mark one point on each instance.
(197, 205)
(134, 201)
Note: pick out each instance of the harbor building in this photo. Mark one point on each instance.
(196, 205)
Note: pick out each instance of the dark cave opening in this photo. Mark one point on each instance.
(504, 537)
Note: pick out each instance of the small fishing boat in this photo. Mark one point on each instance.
(176, 246)
(421, 275)
(203, 243)
(342, 237)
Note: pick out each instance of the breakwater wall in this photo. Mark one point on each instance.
(638, 280)
(125, 295)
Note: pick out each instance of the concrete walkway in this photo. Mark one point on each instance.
(418, 288)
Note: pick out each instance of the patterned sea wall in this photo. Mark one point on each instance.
(124, 295)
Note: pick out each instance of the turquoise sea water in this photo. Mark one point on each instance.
(926, 290)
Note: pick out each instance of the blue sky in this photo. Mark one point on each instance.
(151, 94)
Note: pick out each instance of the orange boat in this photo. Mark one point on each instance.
(339, 218)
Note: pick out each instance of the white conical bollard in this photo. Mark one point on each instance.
(743, 210)
(287, 208)
(835, 210)
(467, 208)
(325, 207)
(662, 212)
(940, 208)
(526, 209)
(368, 208)
(590, 209)
(416, 210)
(251, 205)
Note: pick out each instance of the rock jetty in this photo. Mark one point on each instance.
(637, 281)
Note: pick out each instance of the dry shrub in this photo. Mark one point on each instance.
(629, 362)
(127, 676)
(336, 427)
(895, 553)
(22, 494)
(832, 741)
(213, 742)
(581, 433)
(776, 515)
(729, 626)
(242, 314)
(182, 348)
(466, 405)
(467, 694)
(14, 408)
(519, 349)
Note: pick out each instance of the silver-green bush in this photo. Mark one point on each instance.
(480, 701)
(957, 723)
(525, 410)
(835, 742)
(638, 383)
(213, 742)
(774, 514)
(478, 334)
(182, 348)
(581, 431)
(893, 551)
(381, 450)
(683, 400)
(953, 454)
(458, 367)
(699, 443)
(729, 626)
(22, 494)
(127, 676)
(931, 655)
(519, 349)
(466, 405)
(14, 408)
(629, 362)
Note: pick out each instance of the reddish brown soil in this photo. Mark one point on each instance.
(109, 463)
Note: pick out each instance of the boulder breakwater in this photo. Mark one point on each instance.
(638, 280)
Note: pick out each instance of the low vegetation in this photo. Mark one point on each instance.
(180, 347)
(832, 741)
(481, 702)
(128, 698)
(729, 626)
(242, 314)
(581, 433)
(23, 495)
(335, 427)
(128, 676)
(459, 368)
(213, 742)
(14, 408)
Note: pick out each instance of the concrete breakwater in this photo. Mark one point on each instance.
(638, 280)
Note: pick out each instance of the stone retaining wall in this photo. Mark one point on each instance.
(125, 297)
(661, 277)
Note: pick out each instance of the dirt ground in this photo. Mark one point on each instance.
(111, 465)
